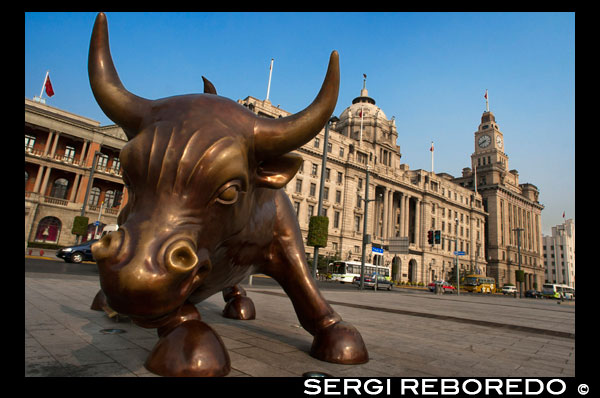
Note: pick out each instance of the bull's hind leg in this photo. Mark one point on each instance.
(238, 305)
(188, 347)
(334, 340)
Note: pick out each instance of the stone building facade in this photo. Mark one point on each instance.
(514, 219)
(405, 203)
(559, 254)
(59, 155)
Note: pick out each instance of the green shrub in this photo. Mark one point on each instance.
(317, 231)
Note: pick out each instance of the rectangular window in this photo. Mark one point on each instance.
(69, 154)
(298, 186)
(336, 219)
(313, 188)
(29, 142)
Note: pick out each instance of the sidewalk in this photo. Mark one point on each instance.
(407, 335)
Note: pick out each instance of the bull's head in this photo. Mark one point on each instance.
(194, 166)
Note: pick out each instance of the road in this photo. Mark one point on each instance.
(51, 266)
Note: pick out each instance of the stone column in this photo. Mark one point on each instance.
(418, 223)
(38, 179)
(45, 182)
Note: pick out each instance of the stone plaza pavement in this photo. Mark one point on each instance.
(407, 334)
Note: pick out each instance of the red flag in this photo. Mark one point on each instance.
(485, 96)
(431, 149)
(48, 86)
(563, 214)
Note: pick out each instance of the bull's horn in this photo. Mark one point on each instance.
(274, 137)
(209, 88)
(121, 106)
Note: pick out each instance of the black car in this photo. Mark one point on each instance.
(533, 293)
(77, 253)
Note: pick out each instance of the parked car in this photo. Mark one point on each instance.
(509, 289)
(533, 293)
(77, 253)
(382, 283)
(446, 287)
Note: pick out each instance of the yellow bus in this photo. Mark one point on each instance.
(479, 284)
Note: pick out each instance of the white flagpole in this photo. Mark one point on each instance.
(44, 84)
(270, 73)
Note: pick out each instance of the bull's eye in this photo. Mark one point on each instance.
(228, 194)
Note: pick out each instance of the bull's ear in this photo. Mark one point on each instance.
(275, 173)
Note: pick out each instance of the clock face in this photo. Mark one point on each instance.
(484, 141)
(498, 141)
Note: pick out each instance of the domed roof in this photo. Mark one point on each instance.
(364, 103)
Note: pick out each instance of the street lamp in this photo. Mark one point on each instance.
(518, 230)
(456, 261)
(333, 119)
(365, 236)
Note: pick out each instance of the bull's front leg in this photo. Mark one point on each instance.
(187, 347)
(334, 340)
(238, 306)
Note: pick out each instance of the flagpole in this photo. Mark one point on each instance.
(432, 156)
(44, 84)
(487, 103)
(270, 73)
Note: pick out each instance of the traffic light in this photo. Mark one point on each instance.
(437, 237)
(430, 237)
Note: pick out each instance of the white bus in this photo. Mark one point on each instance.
(345, 271)
(554, 290)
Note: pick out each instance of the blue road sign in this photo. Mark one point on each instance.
(377, 250)
(96, 223)
(459, 253)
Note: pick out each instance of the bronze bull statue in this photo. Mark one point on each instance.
(205, 210)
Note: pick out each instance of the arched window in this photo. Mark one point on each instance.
(48, 230)
(109, 199)
(59, 188)
(94, 196)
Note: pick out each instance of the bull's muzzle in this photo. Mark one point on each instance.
(180, 255)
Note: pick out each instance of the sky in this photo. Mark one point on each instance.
(428, 70)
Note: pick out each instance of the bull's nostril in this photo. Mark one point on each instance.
(108, 246)
(182, 257)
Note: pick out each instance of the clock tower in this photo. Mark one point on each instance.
(489, 147)
(513, 236)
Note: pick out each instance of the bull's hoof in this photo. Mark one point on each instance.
(240, 307)
(99, 301)
(339, 343)
(191, 349)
